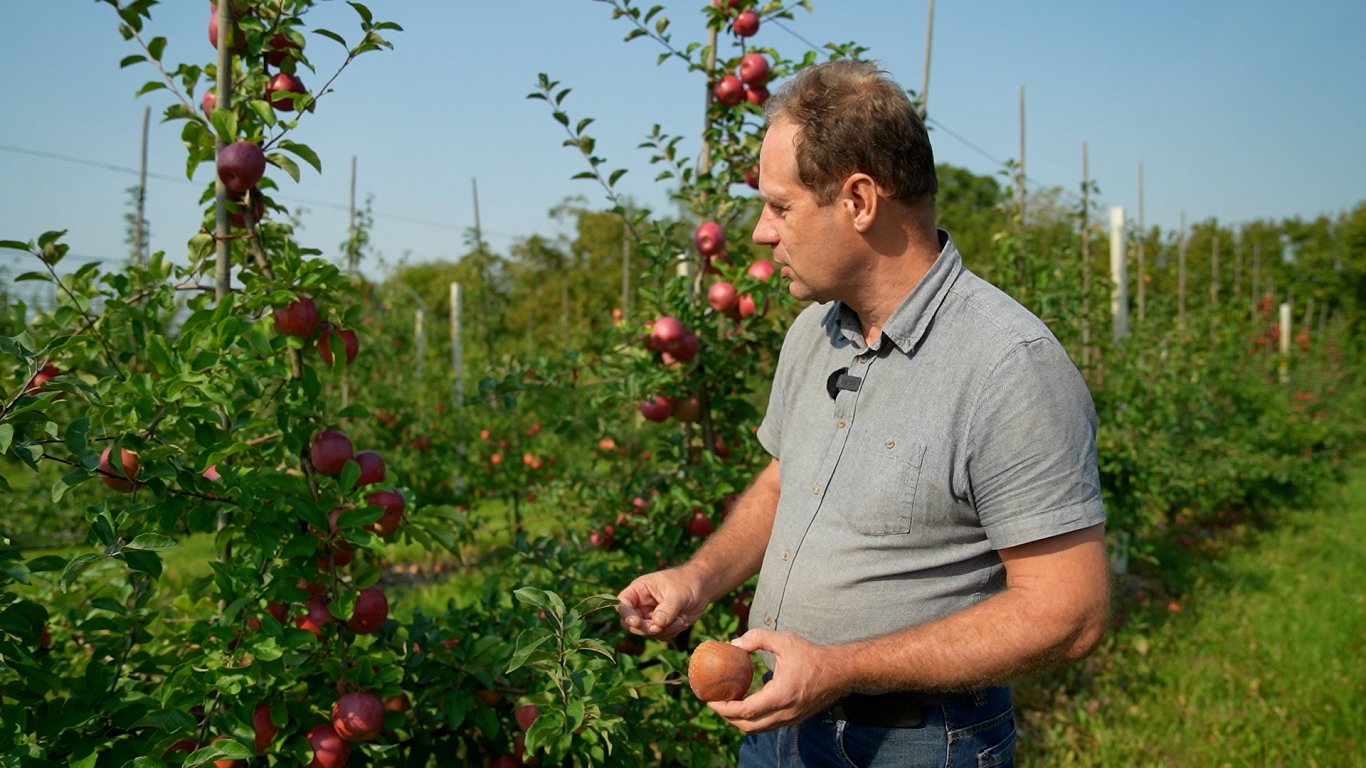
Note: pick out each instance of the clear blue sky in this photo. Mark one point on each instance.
(1237, 109)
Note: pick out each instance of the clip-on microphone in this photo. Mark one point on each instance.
(842, 380)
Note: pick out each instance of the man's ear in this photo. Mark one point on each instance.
(861, 197)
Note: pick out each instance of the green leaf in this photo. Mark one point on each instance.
(152, 542)
(304, 153)
(284, 164)
(330, 35)
(225, 125)
(527, 643)
(129, 61)
(156, 48)
(77, 566)
(364, 12)
(6, 436)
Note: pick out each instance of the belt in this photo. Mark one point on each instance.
(894, 710)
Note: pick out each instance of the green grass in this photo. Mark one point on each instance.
(1264, 663)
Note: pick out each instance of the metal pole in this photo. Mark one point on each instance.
(457, 353)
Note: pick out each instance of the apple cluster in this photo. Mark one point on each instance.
(750, 81)
(301, 319)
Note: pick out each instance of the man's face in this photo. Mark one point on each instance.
(810, 242)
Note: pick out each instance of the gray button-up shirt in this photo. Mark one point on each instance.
(969, 430)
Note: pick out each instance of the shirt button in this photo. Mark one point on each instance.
(891, 443)
(768, 621)
(840, 423)
(786, 555)
(816, 489)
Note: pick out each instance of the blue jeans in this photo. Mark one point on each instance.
(962, 732)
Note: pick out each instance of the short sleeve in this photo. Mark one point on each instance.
(1032, 461)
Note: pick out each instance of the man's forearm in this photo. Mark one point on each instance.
(734, 553)
(1039, 620)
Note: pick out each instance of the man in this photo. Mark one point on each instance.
(930, 525)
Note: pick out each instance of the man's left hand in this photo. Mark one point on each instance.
(806, 681)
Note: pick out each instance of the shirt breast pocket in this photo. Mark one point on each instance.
(890, 469)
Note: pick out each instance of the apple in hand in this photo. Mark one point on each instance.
(720, 671)
(240, 165)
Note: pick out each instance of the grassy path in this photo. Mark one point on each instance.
(1264, 664)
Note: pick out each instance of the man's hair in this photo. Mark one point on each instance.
(854, 118)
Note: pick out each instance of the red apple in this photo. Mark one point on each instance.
(298, 318)
(666, 332)
(278, 610)
(722, 296)
(762, 269)
(358, 715)
(236, 41)
(683, 350)
(756, 94)
(237, 215)
(281, 48)
(525, 715)
(371, 467)
(350, 342)
(746, 305)
(729, 5)
(392, 503)
(262, 726)
(752, 177)
(207, 103)
(240, 165)
(657, 408)
(315, 617)
(121, 478)
(281, 89)
(710, 238)
(689, 409)
(329, 750)
(699, 524)
(505, 761)
(370, 613)
(754, 69)
(746, 24)
(729, 90)
(330, 451)
(41, 377)
(211, 473)
(603, 538)
(399, 702)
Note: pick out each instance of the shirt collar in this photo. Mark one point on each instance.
(909, 323)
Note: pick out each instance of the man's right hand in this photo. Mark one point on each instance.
(661, 604)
